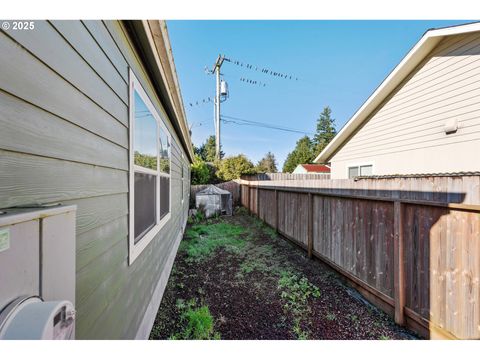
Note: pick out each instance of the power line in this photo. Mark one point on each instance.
(240, 121)
(263, 70)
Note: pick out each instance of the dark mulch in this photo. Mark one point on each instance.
(248, 305)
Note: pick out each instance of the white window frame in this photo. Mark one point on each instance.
(134, 250)
(359, 165)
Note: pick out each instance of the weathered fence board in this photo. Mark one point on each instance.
(411, 244)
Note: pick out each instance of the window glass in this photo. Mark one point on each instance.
(366, 170)
(164, 196)
(164, 152)
(183, 181)
(145, 136)
(145, 204)
(352, 172)
(150, 182)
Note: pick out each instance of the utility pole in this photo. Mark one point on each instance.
(216, 70)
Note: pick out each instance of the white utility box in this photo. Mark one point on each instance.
(37, 273)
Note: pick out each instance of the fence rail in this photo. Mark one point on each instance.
(285, 176)
(409, 245)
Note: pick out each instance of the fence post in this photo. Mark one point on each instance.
(310, 225)
(399, 268)
(248, 198)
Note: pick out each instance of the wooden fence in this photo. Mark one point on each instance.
(409, 245)
(285, 176)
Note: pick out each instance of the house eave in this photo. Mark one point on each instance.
(413, 58)
(151, 37)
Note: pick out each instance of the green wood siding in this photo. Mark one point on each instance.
(64, 138)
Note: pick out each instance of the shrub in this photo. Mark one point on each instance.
(234, 167)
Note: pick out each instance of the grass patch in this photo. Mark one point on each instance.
(296, 291)
(201, 241)
(198, 323)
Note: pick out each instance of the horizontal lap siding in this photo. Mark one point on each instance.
(64, 115)
(410, 122)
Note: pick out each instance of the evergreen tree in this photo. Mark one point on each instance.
(268, 164)
(207, 150)
(325, 130)
(302, 154)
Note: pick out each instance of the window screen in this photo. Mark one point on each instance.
(366, 170)
(145, 204)
(352, 172)
(164, 196)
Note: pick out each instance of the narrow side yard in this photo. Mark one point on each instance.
(235, 278)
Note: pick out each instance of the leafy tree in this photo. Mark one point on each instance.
(147, 161)
(234, 166)
(200, 172)
(268, 164)
(207, 150)
(325, 130)
(302, 154)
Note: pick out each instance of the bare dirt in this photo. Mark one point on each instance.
(240, 286)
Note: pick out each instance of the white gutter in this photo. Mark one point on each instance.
(426, 44)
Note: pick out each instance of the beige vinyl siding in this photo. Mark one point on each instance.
(406, 133)
(64, 119)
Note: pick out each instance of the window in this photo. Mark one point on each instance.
(149, 171)
(352, 172)
(183, 180)
(361, 170)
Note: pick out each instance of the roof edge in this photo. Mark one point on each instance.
(155, 44)
(420, 50)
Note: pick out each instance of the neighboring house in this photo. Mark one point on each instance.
(91, 115)
(311, 169)
(423, 118)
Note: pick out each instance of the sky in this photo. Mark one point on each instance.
(338, 64)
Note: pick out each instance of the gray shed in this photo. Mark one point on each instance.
(214, 200)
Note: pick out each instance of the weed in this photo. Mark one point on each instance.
(296, 291)
(384, 337)
(198, 216)
(201, 241)
(331, 316)
(199, 323)
(241, 211)
(299, 332)
(354, 318)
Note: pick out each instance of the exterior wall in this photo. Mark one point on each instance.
(406, 134)
(299, 170)
(64, 138)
